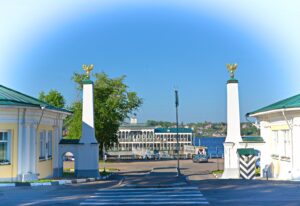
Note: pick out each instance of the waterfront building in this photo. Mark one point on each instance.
(142, 140)
(30, 131)
(279, 125)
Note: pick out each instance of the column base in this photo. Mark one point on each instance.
(57, 172)
(27, 177)
(231, 173)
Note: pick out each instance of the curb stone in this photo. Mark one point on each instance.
(55, 183)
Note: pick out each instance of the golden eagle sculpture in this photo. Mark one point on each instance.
(88, 69)
(231, 68)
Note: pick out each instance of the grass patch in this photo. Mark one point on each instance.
(68, 174)
(257, 171)
(218, 172)
(104, 173)
(34, 181)
(109, 169)
(43, 180)
(68, 170)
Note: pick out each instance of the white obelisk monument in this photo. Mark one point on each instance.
(233, 138)
(88, 164)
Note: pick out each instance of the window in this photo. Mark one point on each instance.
(42, 145)
(5, 147)
(287, 143)
(46, 140)
(275, 144)
(50, 143)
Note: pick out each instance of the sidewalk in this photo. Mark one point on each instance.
(157, 177)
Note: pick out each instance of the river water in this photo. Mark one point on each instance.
(214, 145)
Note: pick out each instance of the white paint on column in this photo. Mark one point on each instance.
(27, 148)
(233, 114)
(233, 138)
(21, 117)
(89, 149)
(33, 152)
(88, 128)
(55, 139)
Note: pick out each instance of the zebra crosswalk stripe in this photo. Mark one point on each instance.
(147, 196)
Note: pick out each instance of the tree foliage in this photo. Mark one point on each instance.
(160, 123)
(73, 123)
(53, 97)
(209, 128)
(112, 105)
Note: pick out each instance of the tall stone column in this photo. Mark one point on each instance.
(233, 138)
(55, 152)
(33, 150)
(27, 148)
(21, 129)
(88, 127)
(88, 158)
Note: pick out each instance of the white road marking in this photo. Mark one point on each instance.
(148, 199)
(147, 196)
(147, 203)
(144, 189)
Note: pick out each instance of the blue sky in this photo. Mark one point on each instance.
(159, 47)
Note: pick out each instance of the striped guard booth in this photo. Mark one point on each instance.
(247, 160)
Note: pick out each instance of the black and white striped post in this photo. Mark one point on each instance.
(247, 160)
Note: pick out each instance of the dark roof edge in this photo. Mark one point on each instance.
(267, 108)
(47, 106)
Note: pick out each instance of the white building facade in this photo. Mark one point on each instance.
(140, 139)
(279, 125)
(30, 131)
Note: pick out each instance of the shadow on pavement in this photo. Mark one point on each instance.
(249, 192)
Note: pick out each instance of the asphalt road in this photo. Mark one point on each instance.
(52, 195)
(250, 192)
(155, 183)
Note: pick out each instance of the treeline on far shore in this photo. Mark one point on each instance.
(213, 129)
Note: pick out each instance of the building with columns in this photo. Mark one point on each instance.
(140, 139)
(30, 131)
(279, 125)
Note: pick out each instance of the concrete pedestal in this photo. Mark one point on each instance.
(88, 161)
(231, 173)
(231, 161)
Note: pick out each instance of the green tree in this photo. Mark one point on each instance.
(160, 123)
(112, 105)
(53, 97)
(73, 122)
